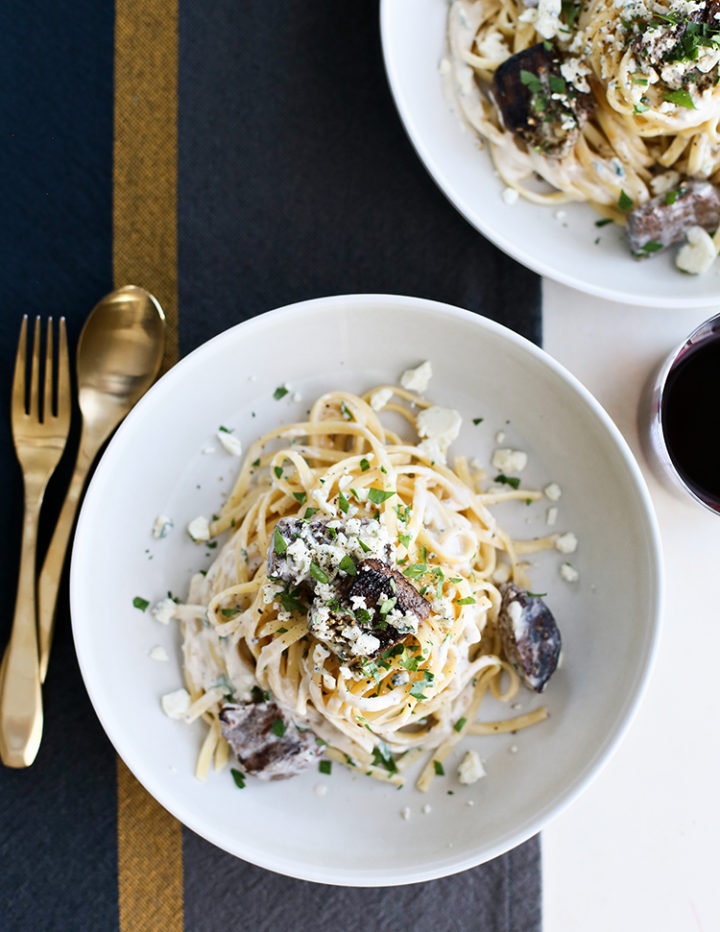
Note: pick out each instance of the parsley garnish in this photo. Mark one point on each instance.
(346, 412)
(309, 512)
(650, 247)
(404, 539)
(238, 777)
(378, 496)
(536, 595)
(604, 222)
(278, 471)
(278, 727)
(478, 420)
(460, 724)
(680, 98)
(280, 392)
(140, 603)
(300, 497)
(318, 574)
(256, 462)
(415, 571)
(625, 202)
(348, 566)
(468, 600)
(671, 197)
(513, 481)
(259, 695)
(416, 690)
(325, 766)
(364, 465)
(383, 758)
(343, 503)
(439, 769)
(279, 545)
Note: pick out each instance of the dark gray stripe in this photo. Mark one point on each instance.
(296, 180)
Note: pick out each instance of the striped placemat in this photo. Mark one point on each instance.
(230, 157)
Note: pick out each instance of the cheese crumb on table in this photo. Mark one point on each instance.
(552, 514)
(163, 611)
(380, 398)
(159, 654)
(552, 491)
(698, 254)
(439, 427)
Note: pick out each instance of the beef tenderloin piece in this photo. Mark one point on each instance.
(536, 103)
(530, 637)
(373, 631)
(697, 203)
(248, 729)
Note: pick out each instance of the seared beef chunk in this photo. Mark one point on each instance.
(266, 743)
(665, 219)
(377, 582)
(376, 608)
(536, 103)
(530, 637)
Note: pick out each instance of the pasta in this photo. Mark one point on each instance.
(247, 634)
(630, 95)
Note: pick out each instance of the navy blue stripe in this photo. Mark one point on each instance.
(297, 180)
(58, 861)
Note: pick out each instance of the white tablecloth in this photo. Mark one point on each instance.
(640, 849)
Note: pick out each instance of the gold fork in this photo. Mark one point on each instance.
(39, 443)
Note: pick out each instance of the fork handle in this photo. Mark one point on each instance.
(52, 568)
(21, 713)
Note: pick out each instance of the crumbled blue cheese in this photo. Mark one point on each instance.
(515, 614)
(551, 517)
(566, 543)
(418, 379)
(471, 768)
(501, 574)
(510, 196)
(164, 611)
(161, 526)
(439, 426)
(698, 254)
(380, 398)
(509, 460)
(569, 573)
(199, 529)
(400, 678)
(159, 654)
(230, 442)
(405, 812)
(553, 491)
(546, 18)
(320, 789)
(176, 704)
(575, 72)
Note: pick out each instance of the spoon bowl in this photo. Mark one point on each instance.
(118, 357)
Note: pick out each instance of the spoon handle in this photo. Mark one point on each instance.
(51, 573)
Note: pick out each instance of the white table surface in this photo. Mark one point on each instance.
(640, 848)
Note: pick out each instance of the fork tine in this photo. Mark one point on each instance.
(63, 381)
(48, 386)
(18, 392)
(34, 406)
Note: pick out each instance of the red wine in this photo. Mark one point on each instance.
(690, 419)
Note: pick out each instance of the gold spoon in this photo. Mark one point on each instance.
(118, 357)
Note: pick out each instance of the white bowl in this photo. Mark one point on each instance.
(560, 244)
(156, 465)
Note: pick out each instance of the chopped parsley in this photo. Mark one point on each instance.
(325, 766)
(671, 197)
(460, 724)
(343, 503)
(278, 727)
(625, 202)
(259, 695)
(415, 571)
(604, 222)
(378, 496)
(345, 411)
(280, 392)
(439, 769)
(256, 462)
(239, 778)
(278, 471)
(680, 98)
(348, 566)
(468, 600)
(650, 247)
(404, 539)
(364, 465)
(279, 545)
(139, 602)
(513, 481)
(309, 512)
(318, 574)
(383, 758)
(478, 420)
(416, 690)
(300, 497)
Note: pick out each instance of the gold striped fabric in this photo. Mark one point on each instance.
(150, 871)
